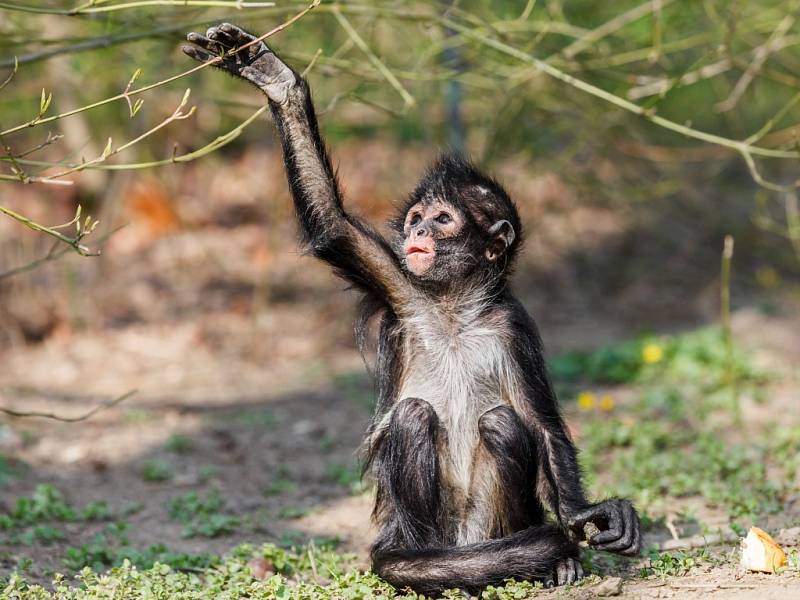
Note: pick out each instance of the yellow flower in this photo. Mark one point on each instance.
(768, 278)
(652, 353)
(606, 403)
(586, 400)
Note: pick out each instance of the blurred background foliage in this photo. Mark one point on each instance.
(717, 66)
(627, 130)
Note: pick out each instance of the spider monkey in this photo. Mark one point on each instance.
(467, 444)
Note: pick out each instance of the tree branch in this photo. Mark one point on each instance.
(55, 417)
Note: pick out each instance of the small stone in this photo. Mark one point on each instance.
(611, 586)
(789, 536)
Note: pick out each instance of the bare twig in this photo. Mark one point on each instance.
(95, 6)
(611, 26)
(84, 228)
(650, 115)
(212, 146)
(662, 85)
(697, 541)
(133, 92)
(55, 252)
(793, 221)
(727, 332)
(177, 115)
(760, 56)
(55, 417)
(408, 99)
(11, 75)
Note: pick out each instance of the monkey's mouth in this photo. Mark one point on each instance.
(419, 258)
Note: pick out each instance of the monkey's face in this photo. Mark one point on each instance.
(426, 230)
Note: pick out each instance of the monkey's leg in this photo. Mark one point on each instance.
(502, 495)
(506, 480)
(533, 552)
(406, 466)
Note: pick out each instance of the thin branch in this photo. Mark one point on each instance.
(408, 99)
(649, 115)
(760, 56)
(775, 119)
(83, 229)
(125, 95)
(212, 146)
(663, 85)
(177, 115)
(11, 75)
(92, 7)
(105, 41)
(56, 252)
(759, 179)
(612, 26)
(55, 417)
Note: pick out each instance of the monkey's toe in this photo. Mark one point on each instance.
(568, 571)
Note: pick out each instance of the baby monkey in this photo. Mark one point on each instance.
(467, 444)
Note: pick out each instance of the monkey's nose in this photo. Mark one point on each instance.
(422, 232)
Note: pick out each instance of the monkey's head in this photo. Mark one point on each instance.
(458, 224)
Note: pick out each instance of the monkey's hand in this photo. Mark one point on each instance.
(618, 524)
(255, 63)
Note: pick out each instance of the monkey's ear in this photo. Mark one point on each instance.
(501, 236)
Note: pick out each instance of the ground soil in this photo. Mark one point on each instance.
(237, 342)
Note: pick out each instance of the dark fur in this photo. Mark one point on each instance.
(524, 457)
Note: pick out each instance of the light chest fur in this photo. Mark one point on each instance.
(457, 358)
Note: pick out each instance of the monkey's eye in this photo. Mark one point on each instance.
(415, 220)
(444, 219)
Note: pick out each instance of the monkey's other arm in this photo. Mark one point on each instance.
(559, 481)
(355, 250)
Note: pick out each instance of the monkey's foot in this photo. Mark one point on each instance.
(567, 571)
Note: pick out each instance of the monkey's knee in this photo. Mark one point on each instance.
(503, 431)
(414, 414)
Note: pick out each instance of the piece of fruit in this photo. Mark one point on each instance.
(761, 553)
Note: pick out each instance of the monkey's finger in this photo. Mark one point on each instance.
(197, 53)
(623, 543)
(611, 534)
(577, 522)
(204, 42)
(636, 545)
(615, 527)
(238, 35)
(218, 35)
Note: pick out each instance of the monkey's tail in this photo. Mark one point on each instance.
(530, 554)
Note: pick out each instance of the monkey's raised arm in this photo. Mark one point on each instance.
(355, 250)
(559, 476)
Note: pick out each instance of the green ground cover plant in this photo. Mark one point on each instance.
(666, 440)
(202, 516)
